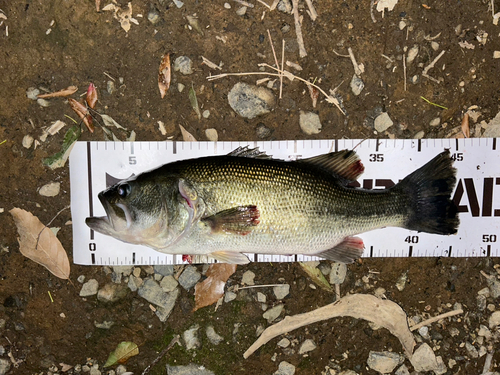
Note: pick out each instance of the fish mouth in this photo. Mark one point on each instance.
(113, 221)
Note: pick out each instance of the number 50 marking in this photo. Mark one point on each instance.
(489, 238)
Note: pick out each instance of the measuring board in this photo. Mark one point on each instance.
(94, 165)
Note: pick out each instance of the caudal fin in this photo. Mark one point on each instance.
(429, 191)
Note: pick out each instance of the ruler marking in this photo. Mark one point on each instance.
(336, 145)
(174, 147)
(419, 145)
(410, 254)
(377, 143)
(89, 178)
(456, 144)
(92, 257)
(132, 148)
(449, 252)
(488, 251)
(371, 251)
(494, 144)
(133, 258)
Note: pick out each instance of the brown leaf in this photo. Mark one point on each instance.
(164, 75)
(81, 111)
(314, 93)
(187, 136)
(465, 126)
(66, 92)
(122, 353)
(212, 288)
(91, 96)
(38, 243)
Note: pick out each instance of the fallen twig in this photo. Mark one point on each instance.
(404, 71)
(430, 66)
(434, 104)
(210, 64)
(263, 3)
(371, 11)
(436, 318)
(174, 341)
(275, 60)
(298, 28)
(312, 12)
(357, 70)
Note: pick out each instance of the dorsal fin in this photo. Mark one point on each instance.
(247, 152)
(345, 164)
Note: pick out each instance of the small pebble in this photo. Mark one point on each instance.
(435, 122)
(496, 54)
(263, 131)
(180, 87)
(27, 141)
(384, 362)
(248, 278)
(307, 346)
(285, 368)
(357, 85)
(212, 135)
(153, 16)
(32, 93)
(206, 113)
(43, 102)
(184, 65)
(213, 337)
(190, 337)
(50, 190)
(241, 11)
(434, 45)
(89, 288)
(419, 135)
(189, 277)
(281, 291)
(273, 313)
(227, 5)
(229, 296)
(309, 123)
(110, 87)
(261, 297)
(284, 343)
(383, 122)
(338, 273)
(412, 54)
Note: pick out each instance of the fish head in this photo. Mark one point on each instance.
(139, 211)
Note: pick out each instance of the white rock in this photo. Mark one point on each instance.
(383, 122)
(285, 368)
(213, 337)
(494, 320)
(309, 123)
(43, 102)
(50, 190)
(338, 273)
(384, 362)
(32, 93)
(435, 121)
(206, 113)
(272, 314)
(403, 370)
(211, 135)
(434, 45)
(261, 297)
(229, 296)
(168, 283)
(307, 346)
(190, 337)
(89, 288)
(412, 54)
(250, 101)
(241, 11)
(248, 278)
(227, 5)
(484, 332)
(471, 349)
(402, 25)
(281, 291)
(357, 85)
(383, 4)
(184, 65)
(424, 359)
(27, 141)
(496, 54)
(419, 135)
(424, 332)
(180, 87)
(284, 343)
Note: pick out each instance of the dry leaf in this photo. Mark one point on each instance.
(81, 111)
(66, 92)
(91, 96)
(314, 93)
(211, 289)
(122, 353)
(194, 102)
(38, 243)
(316, 275)
(383, 313)
(187, 136)
(465, 126)
(164, 75)
(109, 121)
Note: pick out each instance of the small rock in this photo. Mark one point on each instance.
(107, 324)
(153, 16)
(424, 359)
(484, 332)
(284, 343)
(50, 190)
(285, 368)
(309, 123)
(481, 302)
(134, 283)
(281, 291)
(81, 279)
(121, 370)
(43, 103)
(401, 283)
(403, 370)
(415, 79)
(180, 87)
(163, 312)
(110, 87)
(89, 288)
(384, 362)
(241, 11)
(441, 366)
(435, 122)
(124, 270)
(412, 54)
(168, 283)
(494, 320)
(27, 141)
(263, 131)
(178, 3)
(419, 135)
(184, 65)
(116, 277)
(211, 135)
(338, 273)
(213, 337)
(229, 296)
(494, 287)
(434, 45)
(248, 278)
(32, 93)
(496, 54)
(402, 25)
(206, 113)
(152, 292)
(285, 28)
(163, 269)
(471, 349)
(307, 346)
(285, 6)
(250, 101)
(4, 366)
(383, 122)
(424, 332)
(191, 369)
(227, 5)
(190, 337)
(261, 297)
(189, 277)
(357, 85)
(493, 128)
(111, 293)
(272, 314)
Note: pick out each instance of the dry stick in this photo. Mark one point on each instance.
(404, 70)
(430, 66)
(338, 54)
(161, 355)
(263, 3)
(371, 11)
(493, 8)
(357, 70)
(274, 4)
(282, 64)
(436, 318)
(337, 292)
(312, 12)
(275, 59)
(487, 363)
(298, 29)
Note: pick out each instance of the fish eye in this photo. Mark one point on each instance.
(124, 190)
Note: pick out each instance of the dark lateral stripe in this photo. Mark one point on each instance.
(89, 179)
(411, 252)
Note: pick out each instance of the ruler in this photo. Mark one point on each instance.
(96, 165)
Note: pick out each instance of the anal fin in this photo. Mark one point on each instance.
(238, 220)
(350, 249)
(230, 257)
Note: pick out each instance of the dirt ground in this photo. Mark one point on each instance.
(51, 45)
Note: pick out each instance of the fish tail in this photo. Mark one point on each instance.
(429, 191)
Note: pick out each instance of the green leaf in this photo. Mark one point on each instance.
(194, 102)
(316, 275)
(122, 353)
(59, 159)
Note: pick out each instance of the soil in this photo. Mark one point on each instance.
(53, 44)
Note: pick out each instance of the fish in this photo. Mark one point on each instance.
(247, 202)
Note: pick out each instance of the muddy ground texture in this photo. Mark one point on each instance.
(50, 45)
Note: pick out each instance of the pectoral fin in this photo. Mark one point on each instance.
(230, 257)
(238, 220)
(347, 251)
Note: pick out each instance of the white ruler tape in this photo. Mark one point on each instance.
(386, 161)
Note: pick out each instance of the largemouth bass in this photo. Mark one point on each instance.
(246, 202)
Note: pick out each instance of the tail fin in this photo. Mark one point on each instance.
(429, 191)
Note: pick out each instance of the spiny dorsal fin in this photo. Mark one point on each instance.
(345, 164)
(247, 152)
